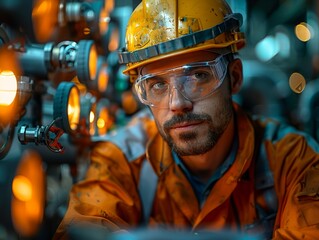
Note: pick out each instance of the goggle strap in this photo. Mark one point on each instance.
(220, 67)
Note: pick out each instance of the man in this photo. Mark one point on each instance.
(215, 167)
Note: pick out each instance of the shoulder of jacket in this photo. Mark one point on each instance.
(274, 132)
(277, 130)
(131, 138)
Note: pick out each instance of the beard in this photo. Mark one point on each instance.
(194, 143)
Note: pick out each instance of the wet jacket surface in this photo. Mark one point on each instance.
(272, 186)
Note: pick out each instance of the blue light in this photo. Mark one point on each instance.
(267, 48)
(272, 46)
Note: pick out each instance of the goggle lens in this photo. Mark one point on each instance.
(194, 81)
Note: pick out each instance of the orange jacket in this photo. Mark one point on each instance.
(275, 177)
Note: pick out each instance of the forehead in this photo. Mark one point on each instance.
(177, 61)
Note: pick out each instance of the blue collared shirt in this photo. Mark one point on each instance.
(202, 189)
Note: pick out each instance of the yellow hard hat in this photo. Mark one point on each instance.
(164, 28)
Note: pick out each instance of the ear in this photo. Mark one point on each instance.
(236, 75)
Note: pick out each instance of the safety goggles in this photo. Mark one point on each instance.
(194, 81)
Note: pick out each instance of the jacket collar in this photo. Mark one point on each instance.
(171, 176)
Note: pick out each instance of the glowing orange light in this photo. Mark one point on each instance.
(8, 87)
(28, 198)
(93, 62)
(109, 5)
(103, 79)
(44, 18)
(74, 108)
(114, 40)
(100, 123)
(91, 116)
(303, 32)
(86, 31)
(22, 188)
(297, 82)
(33, 210)
(92, 119)
(104, 122)
(103, 21)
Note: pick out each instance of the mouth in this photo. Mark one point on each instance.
(186, 126)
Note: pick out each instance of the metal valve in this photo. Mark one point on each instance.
(42, 135)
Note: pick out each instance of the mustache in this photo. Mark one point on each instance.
(187, 117)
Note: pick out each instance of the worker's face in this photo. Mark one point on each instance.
(191, 127)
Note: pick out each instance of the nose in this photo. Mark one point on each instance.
(178, 102)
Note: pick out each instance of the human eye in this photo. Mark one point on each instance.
(201, 75)
(157, 85)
